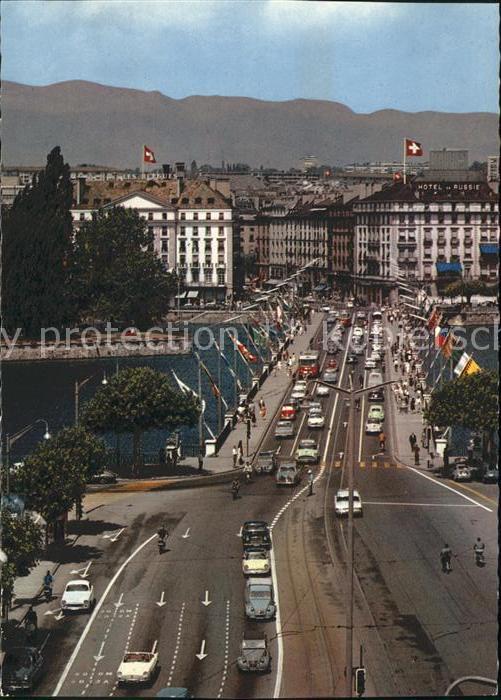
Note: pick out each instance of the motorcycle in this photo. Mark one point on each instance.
(31, 631)
(47, 592)
(248, 477)
(234, 491)
(161, 545)
(479, 557)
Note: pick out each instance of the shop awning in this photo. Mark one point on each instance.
(192, 295)
(272, 282)
(181, 296)
(447, 267)
(489, 249)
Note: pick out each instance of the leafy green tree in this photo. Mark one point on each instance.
(135, 400)
(54, 476)
(36, 243)
(22, 543)
(467, 288)
(115, 272)
(470, 402)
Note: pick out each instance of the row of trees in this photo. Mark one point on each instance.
(53, 277)
(468, 288)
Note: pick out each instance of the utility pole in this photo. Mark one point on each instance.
(349, 612)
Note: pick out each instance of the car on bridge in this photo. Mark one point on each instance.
(376, 413)
(78, 596)
(316, 418)
(138, 667)
(330, 376)
(266, 462)
(374, 379)
(351, 359)
(322, 390)
(358, 332)
(288, 412)
(373, 427)
(260, 599)
(288, 474)
(461, 473)
(256, 561)
(254, 654)
(341, 503)
(285, 429)
(256, 533)
(299, 390)
(307, 452)
(376, 396)
(370, 363)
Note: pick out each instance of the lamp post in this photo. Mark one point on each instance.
(80, 385)
(11, 439)
(351, 393)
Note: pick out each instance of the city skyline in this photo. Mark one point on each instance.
(369, 56)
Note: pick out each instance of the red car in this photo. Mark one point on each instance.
(332, 364)
(288, 412)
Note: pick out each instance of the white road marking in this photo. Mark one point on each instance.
(99, 655)
(154, 647)
(206, 600)
(239, 534)
(201, 655)
(85, 570)
(427, 505)
(449, 488)
(119, 602)
(52, 612)
(178, 642)
(186, 534)
(93, 616)
(161, 602)
(113, 536)
(298, 435)
(226, 650)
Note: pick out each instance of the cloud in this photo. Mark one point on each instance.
(284, 15)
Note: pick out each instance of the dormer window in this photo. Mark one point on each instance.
(198, 200)
(210, 200)
(185, 200)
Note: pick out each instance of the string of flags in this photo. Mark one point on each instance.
(450, 346)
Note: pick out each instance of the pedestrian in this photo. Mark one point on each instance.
(310, 482)
(234, 454)
(416, 454)
(200, 462)
(413, 404)
(418, 404)
(361, 380)
(395, 365)
(240, 453)
(412, 440)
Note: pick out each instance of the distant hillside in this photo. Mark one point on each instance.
(98, 124)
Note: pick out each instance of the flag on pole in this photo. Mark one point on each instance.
(460, 366)
(448, 345)
(413, 148)
(148, 155)
(441, 335)
(434, 319)
(188, 390)
(243, 350)
(215, 389)
(471, 367)
(228, 364)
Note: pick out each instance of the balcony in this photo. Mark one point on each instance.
(407, 244)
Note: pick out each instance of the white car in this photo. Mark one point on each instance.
(375, 356)
(322, 390)
(358, 332)
(316, 419)
(256, 561)
(137, 667)
(377, 347)
(298, 391)
(341, 503)
(326, 309)
(372, 427)
(78, 596)
(370, 363)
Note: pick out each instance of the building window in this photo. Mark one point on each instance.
(183, 216)
(220, 277)
(221, 216)
(182, 231)
(165, 231)
(195, 215)
(220, 230)
(195, 230)
(150, 216)
(182, 246)
(207, 216)
(165, 246)
(164, 215)
(195, 275)
(82, 216)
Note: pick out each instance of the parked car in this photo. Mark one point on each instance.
(461, 473)
(105, 476)
(376, 413)
(372, 427)
(316, 418)
(491, 475)
(259, 599)
(358, 332)
(138, 667)
(78, 596)
(285, 429)
(254, 654)
(22, 667)
(307, 452)
(377, 395)
(341, 503)
(375, 356)
(361, 314)
(288, 412)
(256, 561)
(266, 462)
(288, 474)
(256, 533)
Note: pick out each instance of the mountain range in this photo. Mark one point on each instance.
(106, 125)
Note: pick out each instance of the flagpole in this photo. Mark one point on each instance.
(219, 401)
(142, 162)
(201, 416)
(235, 371)
(405, 163)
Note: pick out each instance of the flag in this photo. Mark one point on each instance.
(215, 389)
(244, 351)
(188, 390)
(279, 315)
(397, 177)
(471, 367)
(434, 320)
(460, 366)
(441, 335)
(148, 155)
(448, 345)
(413, 148)
(227, 363)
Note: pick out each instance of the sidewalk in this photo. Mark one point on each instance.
(273, 391)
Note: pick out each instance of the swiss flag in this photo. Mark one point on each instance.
(397, 177)
(413, 148)
(148, 155)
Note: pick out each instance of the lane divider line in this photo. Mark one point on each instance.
(226, 650)
(449, 488)
(178, 642)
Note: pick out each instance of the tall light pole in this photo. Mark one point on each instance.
(350, 463)
(80, 385)
(11, 439)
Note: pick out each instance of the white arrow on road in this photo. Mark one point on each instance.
(206, 602)
(239, 534)
(85, 570)
(119, 601)
(59, 616)
(100, 653)
(52, 612)
(186, 534)
(113, 536)
(114, 539)
(161, 602)
(202, 653)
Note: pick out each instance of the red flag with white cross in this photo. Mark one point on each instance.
(148, 155)
(413, 148)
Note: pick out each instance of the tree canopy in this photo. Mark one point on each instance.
(36, 243)
(138, 399)
(467, 288)
(470, 401)
(22, 543)
(116, 275)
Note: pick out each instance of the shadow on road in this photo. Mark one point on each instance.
(64, 554)
(91, 527)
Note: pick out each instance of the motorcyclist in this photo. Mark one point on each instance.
(48, 580)
(382, 440)
(235, 488)
(31, 623)
(479, 549)
(445, 557)
(310, 482)
(247, 470)
(357, 404)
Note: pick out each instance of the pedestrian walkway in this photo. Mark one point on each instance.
(273, 392)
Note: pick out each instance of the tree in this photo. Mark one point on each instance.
(36, 243)
(138, 399)
(467, 288)
(115, 272)
(55, 475)
(470, 401)
(22, 543)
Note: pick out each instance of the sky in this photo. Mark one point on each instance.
(369, 56)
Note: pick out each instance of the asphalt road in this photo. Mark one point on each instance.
(419, 628)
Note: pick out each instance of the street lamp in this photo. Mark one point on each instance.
(80, 385)
(351, 393)
(11, 439)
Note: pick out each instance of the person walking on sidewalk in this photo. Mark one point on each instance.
(412, 440)
(200, 462)
(416, 454)
(234, 454)
(240, 453)
(413, 404)
(310, 482)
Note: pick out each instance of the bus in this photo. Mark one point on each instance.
(309, 364)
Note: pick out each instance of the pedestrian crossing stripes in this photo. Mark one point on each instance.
(369, 464)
